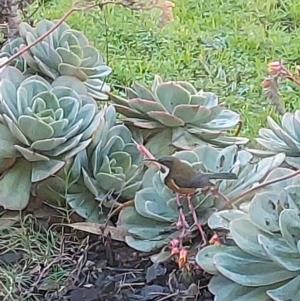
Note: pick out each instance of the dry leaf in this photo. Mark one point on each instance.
(98, 229)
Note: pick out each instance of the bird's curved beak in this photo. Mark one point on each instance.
(155, 162)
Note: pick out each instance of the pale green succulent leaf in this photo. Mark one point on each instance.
(86, 206)
(281, 134)
(290, 291)
(118, 100)
(289, 222)
(223, 141)
(7, 142)
(144, 245)
(249, 270)
(15, 186)
(263, 211)
(157, 144)
(293, 161)
(70, 82)
(166, 118)
(289, 124)
(75, 150)
(203, 101)
(143, 92)
(129, 191)
(80, 161)
(30, 155)
(48, 144)
(15, 130)
(123, 160)
(69, 145)
(147, 205)
(34, 129)
(211, 99)
(144, 124)
(6, 163)
(89, 183)
(109, 181)
(245, 235)
(279, 186)
(227, 290)
(204, 257)
(171, 94)
(191, 113)
(69, 70)
(44, 53)
(128, 112)
(76, 49)
(280, 252)
(144, 106)
(222, 219)
(214, 120)
(68, 56)
(292, 200)
(156, 82)
(187, 86)
(221, 119)
(43, 169)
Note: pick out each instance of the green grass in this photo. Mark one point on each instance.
(220, 46)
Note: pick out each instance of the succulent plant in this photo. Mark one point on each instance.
(175, 111)
(42, 125)
(12, 47)
(281, 138)
(262, 258)
(65, 52)
(109, 166)
(149, 221)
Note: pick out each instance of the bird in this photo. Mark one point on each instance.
(184, 180)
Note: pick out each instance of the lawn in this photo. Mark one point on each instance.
(220, 46)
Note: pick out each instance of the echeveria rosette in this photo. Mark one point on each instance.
(65, 52)
(150, 220)
(263, 259)
(9, 49)
(175, 111)
(47, 125)
(284, 137)
(111, 166)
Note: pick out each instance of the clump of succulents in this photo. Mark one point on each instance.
(64, 52)
(150, 220)
(41, 126)
(109, 167)
(281, 138)
(175, 111)
(261, 260)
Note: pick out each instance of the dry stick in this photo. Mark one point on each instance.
(240, 125)
(239, 197)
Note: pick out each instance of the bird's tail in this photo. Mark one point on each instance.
(222, 176)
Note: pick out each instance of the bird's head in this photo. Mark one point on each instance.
(165, 161)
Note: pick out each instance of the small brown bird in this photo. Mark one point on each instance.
(185, 180)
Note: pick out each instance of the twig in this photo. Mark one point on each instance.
(239, 197)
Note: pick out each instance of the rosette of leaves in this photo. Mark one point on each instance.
(281, 138)
(262, 258)
(42, 125)
(175, 111)
(9, 49)
(109, 167)
(65, 52)
(150, 220)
